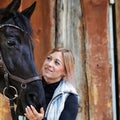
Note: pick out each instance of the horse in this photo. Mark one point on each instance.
(20, 81)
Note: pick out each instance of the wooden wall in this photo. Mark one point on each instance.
(82, 26)
(117, 54)
(98, 70)
(70, 34)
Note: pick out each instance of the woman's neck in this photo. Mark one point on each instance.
(50, 81)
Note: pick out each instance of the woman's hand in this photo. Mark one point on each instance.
(32, 114)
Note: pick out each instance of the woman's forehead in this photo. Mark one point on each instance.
(57, 55)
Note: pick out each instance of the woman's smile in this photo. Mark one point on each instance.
(53, 67)
(47, 69)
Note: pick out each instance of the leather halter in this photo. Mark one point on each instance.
(8, 75)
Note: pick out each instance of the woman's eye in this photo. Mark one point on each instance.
(49, 58)
(57, 63)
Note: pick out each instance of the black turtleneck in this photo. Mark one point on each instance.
(71, 104)
(49, 90)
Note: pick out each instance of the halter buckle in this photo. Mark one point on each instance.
(12, 88)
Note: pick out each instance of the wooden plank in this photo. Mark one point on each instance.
(69, 33)
(95, 14)
(117, 17)
(5, 113)
(4, 3)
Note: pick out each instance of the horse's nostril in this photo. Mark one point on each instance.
(32, 97)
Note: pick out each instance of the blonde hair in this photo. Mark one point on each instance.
(68, 60)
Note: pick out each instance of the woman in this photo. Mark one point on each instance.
(61, 96)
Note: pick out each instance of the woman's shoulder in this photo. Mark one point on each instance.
(72, 98)
(72, 102)
(68, 87)
(71, 108)
(65, 89)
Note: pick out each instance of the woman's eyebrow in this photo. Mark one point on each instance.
(59, 60)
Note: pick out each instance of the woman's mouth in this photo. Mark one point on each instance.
(48, 70)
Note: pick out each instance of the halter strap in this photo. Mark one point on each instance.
(16, 78)
(11, 25)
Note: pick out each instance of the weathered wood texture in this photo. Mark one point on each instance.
(69, 33)
(4, 109)
(95, 13)
(117, 23)
(81, 27)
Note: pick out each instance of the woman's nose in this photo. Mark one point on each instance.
(50, 63)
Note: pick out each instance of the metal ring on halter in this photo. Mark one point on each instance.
(16, 92)
(23, 85)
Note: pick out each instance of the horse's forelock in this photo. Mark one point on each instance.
(19, 20)
(23, 22)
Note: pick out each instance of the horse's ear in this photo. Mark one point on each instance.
(13, 6)
(29, 11)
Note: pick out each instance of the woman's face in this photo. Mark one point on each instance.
(53, 67)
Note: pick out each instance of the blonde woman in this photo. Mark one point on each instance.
(61, 96)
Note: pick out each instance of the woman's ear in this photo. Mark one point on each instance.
(64, 74)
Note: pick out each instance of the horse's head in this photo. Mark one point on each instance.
(16, 49)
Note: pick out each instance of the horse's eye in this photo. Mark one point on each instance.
(11, 43)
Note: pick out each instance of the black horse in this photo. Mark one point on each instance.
(19, 79)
